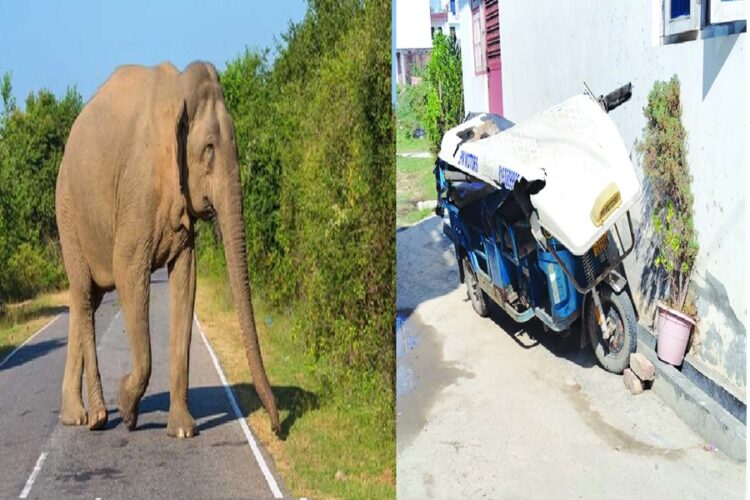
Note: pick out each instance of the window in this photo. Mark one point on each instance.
(453, 7)
(453, 32)
(681, 16)
(723, 11)
(679, 8)
(685, 16)
(477, 27)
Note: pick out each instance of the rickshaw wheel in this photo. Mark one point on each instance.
(475, 294)
(614, 353)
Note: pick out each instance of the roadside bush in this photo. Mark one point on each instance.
(445, 102)
(315, 136)
(31, 147)
(344, 206)
(28, 272)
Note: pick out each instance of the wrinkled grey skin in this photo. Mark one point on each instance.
(150, 153)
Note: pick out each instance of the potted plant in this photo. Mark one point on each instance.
(664, 153)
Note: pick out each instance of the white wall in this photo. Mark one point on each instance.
(413, 24)
(548, 51)
(475, 86)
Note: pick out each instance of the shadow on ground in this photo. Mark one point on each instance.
(211, 405)
(531, 334)
(427, 269)
(29, 352)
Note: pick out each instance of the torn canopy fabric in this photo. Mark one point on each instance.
(578, 169)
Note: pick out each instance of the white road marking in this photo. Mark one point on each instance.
(28, 340)
(32, 477)
(272, 484)
(109, 327)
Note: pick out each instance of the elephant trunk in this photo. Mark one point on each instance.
(229, 215)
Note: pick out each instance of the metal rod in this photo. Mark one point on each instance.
(613, 265)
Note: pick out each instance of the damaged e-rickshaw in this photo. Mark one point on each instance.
(539, 217)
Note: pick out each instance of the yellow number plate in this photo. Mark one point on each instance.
(607, 202)
(601, 245)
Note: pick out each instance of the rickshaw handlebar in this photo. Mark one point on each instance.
(616, 97)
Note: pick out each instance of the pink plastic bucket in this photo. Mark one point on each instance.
(673, 331)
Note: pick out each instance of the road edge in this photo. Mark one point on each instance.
(273, 483)
(31, 337)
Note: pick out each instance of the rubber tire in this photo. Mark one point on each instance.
(476, 295)
(613, 362)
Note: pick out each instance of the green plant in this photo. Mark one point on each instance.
(664, 153)
(411, 108)
(315, 138)
(28, 273)
(32, 141)
(445, 102)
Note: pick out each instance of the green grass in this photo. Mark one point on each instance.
(19, 321)
(414, 182)
(409, 144)
(335, 447)
(416, 216)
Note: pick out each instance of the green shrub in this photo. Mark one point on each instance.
(31, 147)
(315, 136)
(28, 273)
(664, 152)
(445, 102)
(338, 193)
(411, 108)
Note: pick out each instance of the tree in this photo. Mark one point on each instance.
(445, 102)
(31, 147)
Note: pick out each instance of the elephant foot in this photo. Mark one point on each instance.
(128, 405)
(180, 423)
(73, 414)
(97, 417)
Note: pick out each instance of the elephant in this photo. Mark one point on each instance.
(151, 152)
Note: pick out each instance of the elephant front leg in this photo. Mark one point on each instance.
(133, 282)
(182, 301)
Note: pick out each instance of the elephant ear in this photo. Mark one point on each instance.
(179, 213)
(181, 132)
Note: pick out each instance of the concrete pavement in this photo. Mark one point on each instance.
(488, 408)
(74, 462)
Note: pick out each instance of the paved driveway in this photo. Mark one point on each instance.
(491, 409)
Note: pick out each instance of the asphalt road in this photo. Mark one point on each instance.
(488, 408)
(73, 462)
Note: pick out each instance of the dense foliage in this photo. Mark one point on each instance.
(411, 109)
(315, 133)
(445, 101)
(665, 165)
(31, 147)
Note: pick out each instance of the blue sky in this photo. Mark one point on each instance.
(53, 44)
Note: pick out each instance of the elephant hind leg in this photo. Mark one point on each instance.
(72, 411)
(81, 350)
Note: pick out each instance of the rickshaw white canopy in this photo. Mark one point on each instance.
(574, 148)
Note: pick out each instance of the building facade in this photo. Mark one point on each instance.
(538, 53)
(444, 18)
(413, 38)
